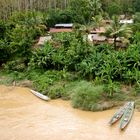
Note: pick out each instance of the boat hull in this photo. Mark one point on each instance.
(127, 116)
(41, 96)
(118, 114)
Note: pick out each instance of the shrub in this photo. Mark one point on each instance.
(89, 61)
(45, 80)
(56, 90)
(5, 51)
(111, 88)
(16, 65)
(87, 96)
(19, 34)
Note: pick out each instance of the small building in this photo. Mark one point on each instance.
(66, 27)
(126, 21)
(95, 36)
(57, 30)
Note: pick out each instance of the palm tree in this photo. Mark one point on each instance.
(116, 30)
(97, 21)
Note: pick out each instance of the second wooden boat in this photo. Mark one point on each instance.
(127, 115)
(118, 114)
(41, 96)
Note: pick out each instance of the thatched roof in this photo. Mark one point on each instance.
(98, 30)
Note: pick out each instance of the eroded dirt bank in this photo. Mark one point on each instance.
(25, 117)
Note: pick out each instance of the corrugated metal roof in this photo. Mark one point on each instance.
(126, 21)
(65, 25)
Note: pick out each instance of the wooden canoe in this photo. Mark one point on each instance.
(41, 96)
(118, 114)
(127, 116)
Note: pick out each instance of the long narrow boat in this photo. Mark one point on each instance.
(127, 115)
(118, 114)
(41, 96)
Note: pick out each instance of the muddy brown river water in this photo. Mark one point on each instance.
(23, 116)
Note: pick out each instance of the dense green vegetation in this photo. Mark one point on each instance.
(69, 66)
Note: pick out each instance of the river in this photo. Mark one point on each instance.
(23, 116)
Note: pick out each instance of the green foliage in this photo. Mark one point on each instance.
(87, 96)
(136, 27)
(16, 65)
(4, 51)
(137, 5)
(137, 89)
(65, 56)
(21, 41)
(97, 21)
(58, 16)
(114, 9)
(128, 7)
(42, 81)
(88, 61)
(57, 91)
(116, 30)
(83, 10)
(136, 37)
(80, 11)
(41, 58)
(2, 29)
(111, 88)
(8, 77)
(118, 7)
(19, 33)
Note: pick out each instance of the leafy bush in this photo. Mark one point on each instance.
(2, 29)
(58, 16)
(44, 80)
(89, 61)
(16, 65)
(111, 88)
(87, 96)
(4, 51)
(56, 90)
(19, 34)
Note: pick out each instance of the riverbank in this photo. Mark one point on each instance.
(24, 116)
(84, 95)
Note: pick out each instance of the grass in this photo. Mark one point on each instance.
(8, 78)
(87, 96)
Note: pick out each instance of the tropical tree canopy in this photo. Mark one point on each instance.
(116, 30)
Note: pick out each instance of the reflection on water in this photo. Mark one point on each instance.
(24, 117)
